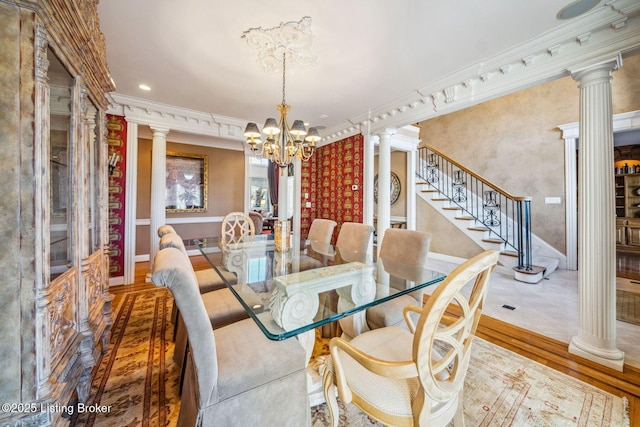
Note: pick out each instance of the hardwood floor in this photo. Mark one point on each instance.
(628, 265)
(544, 350)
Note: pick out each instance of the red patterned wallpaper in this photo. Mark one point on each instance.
(117, 140)
(328, 178)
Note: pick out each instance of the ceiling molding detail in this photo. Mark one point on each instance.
(153, 114)
(292, 39)
(607, 31)
(547, 57)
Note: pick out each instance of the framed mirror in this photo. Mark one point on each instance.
(187, 177)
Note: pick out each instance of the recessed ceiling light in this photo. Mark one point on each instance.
(577, 8)
(323, 116)
(144, 87)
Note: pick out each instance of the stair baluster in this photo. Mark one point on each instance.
(506, 217)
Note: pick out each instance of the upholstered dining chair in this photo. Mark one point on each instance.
(234, 375)
(237, 227)
(221, 305)
(166, 229)
(258, 221)
(321, 230)
(208, 279)
(407, 247)
(354, 243)
(416, 377)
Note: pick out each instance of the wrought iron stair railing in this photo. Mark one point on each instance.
(507, 218)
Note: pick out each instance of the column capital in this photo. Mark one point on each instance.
(596, 69)
(387, 133)
(160, 130)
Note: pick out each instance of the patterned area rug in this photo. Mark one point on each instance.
(503, 388)
(137, 378)
(628, 307)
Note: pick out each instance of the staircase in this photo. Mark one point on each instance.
(488, 215)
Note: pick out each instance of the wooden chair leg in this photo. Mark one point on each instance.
(329, 389)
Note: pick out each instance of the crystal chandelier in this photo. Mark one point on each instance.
(283, 143)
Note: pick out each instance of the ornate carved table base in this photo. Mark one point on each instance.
(296, 299)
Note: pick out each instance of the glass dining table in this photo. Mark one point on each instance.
(290, 292)
(293, 292)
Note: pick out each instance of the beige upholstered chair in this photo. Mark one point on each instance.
(166, 229)
(237, 227)
(354, 242)
(221, 305)
(208, 279)
(258, 221)
(234, 376)
(406, 247)
(320, 249)
(415, 378)
(321, 230)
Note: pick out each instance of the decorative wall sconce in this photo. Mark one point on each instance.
(113, 161)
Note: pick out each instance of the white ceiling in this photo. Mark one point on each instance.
(370, 53)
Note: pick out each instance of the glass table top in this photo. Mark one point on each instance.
(309, 285)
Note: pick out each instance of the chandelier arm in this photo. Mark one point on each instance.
(258, 154)
(285, 148)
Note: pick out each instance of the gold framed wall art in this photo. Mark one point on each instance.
(186, 182)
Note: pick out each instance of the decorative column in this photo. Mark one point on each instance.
(412, 156)
(384, 183)
(369, 158)
(157, 212)
(596, 339)
(131, 196)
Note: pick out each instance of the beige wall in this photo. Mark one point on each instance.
(226, 190)
(447, 239)
(514, 142)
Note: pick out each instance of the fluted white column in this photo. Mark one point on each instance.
(596, 339)
(130, 202)
(384, 184)
(412, 156)
(367, 181)
(157, 212)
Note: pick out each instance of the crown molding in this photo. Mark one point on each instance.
(153, 114)
(611, 30)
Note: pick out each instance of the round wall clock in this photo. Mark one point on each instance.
(395, 188)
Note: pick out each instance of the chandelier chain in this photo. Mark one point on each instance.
(284, 73)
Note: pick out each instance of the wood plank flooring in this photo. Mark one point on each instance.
(628, 265)
(544, 350)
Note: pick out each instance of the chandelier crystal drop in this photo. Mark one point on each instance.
(283, 143)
